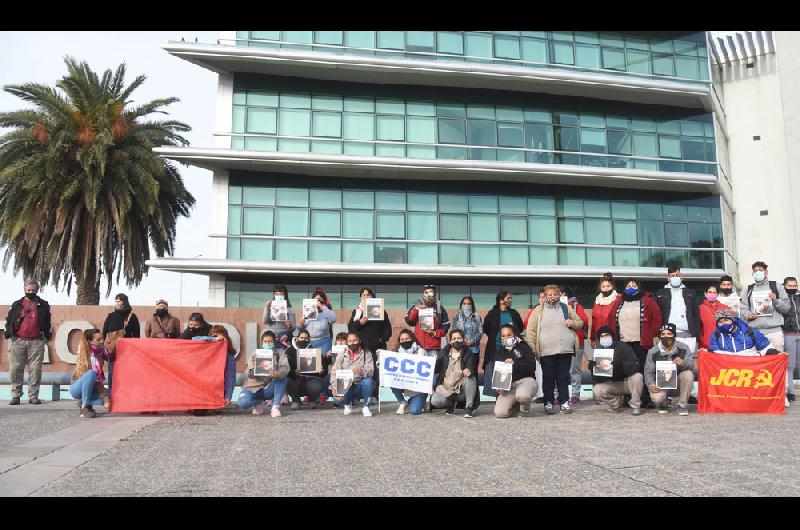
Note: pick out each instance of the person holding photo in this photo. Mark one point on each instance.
(759, 315)
(280, 326)
(430, 339)
(626, 377)
(519, 355)
(299, 384)
(501, 314)
(221, 334)
(327, 363)
(359, 360)
(88, 377)
(257, 390)
(668, 349)
(416, 400)
(458, 365)
(320, 328)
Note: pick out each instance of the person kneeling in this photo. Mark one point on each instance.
(519, 355)
(667, 349)
(257, 390)
(458, 364)
(359, 360)
(625, 376)
(416, 400)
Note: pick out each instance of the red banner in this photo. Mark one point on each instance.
(741, 383)
(153, 375)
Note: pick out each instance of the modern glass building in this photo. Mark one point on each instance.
(472, 160)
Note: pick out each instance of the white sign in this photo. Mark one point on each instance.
(666, 375)
(406, 371)
(501, 376)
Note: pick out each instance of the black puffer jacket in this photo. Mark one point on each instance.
(524, 361)
(624, 365)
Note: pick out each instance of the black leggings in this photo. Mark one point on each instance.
(555, 372)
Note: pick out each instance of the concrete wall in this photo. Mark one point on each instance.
(759, 101)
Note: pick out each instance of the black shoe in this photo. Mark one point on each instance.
(88, 412)
(14, 401)
(692, 400)
(468, 412)
(199, 412)
(451, 409)
(790, 397)
(539, 400)
(35, 401)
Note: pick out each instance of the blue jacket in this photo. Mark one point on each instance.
(743, 338)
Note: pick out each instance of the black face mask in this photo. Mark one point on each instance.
(791, 292)
(30, 296)
(725, 292)
(161, 312)
(303, 344)
(668, 342)
(606, 293)
(406, 344)
(195, 332)
(457, 345)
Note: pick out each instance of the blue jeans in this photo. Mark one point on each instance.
(275, 391)
(362, 390)
(230, 375)
(416, 404)
(110, 371)
(85, 389)
(487, 380)
(323, 344)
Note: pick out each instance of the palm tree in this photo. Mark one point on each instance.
(81, 192)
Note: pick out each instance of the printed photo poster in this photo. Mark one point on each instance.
(310, 360)
(501, 376)
(336, 350)
(603, 357)
(279, 310)
(309, 308)
(762, 303)
(733, 301)
(344, 380)
(666, 375)
(263, 363)
(426, 320)
(374, 308)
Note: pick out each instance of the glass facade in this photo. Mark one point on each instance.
(678, 55)
(563, 132)
(444, 226)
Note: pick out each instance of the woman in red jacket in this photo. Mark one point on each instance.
(708, 324)
(606, 296)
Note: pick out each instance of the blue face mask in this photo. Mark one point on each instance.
(630, 291)
(675, 282)
(726, 328)
(759, 276)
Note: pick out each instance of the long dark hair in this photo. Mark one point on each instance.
(410, 333)
(471, 301)
(500, 296)
(126, 306)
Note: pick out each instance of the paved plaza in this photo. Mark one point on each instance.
(49, 451)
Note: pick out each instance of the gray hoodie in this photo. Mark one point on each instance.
(771, 323)
(656, 353)
(321, 327)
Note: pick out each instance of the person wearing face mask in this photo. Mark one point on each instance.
(162, 325)
(626, 374)
(635, 319)
(374, 333)
(709, 307)
(258, 390)
(28, 328)
(791, 333)
(320, 328)
(500, 315)
(196, 327)
(606, 296)
(121, 319)
(765, 317)
(551, 334)
(669, 349)
(458, 365)
(575, 375)
(416, 400)
(679, 306)
(735, 337)
(300, 384)
(518, 354)
(280, 292)
(728, 295)
(359, 360)
(430, 339)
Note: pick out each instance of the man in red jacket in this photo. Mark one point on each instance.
(429, 330)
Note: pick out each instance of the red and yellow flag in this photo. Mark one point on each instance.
(741, 384)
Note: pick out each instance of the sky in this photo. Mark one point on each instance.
(38, 57)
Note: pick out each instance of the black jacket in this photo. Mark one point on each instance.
(132, 330)
(469, 360)
(202, 331)
(291, 356)
(374, 333)
(664, 301)
(42, 312)
(491, 327)
(524, 361)
(624, 365)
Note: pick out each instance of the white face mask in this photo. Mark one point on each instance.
(279, 298)
(509, 342)
(606, 342)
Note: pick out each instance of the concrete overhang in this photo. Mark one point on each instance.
(388, 270)
(349, 166)
(356, 68)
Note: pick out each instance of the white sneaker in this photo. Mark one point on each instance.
(365, 411)
(276, 412)
(787, 403)
(348, 409)
(401, 409)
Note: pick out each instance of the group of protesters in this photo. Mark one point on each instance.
(546, 349)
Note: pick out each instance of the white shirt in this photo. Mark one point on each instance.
(677, 313)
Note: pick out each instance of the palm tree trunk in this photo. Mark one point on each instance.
(88, 291)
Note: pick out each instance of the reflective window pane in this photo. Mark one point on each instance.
(452, 226)
(326, 223)
(291, 222)
(257, 221)
(358, 224)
